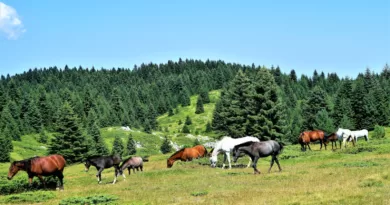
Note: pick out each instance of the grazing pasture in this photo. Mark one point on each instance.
(356, 175)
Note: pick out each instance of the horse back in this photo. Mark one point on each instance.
(189, 154)
(47, 165)
(201, 149)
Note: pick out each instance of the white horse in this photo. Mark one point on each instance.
(360, 133)
(225, 146)
(345, 135)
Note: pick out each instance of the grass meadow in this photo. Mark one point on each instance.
(356, 175)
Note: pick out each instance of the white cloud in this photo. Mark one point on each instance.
(10, 23)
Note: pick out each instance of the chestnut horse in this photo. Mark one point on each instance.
(185, 154)
(201, 149)
(311, 136)
(40, 166)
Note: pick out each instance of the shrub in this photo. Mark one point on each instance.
(96, 199)
(30, 197)
(379, 132)
(185, 129)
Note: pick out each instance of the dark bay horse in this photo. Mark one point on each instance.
(185, 154)
(102, 162)
(40, 166)
(256, 150)
(332, 138)
(311, 136)
(133, 163)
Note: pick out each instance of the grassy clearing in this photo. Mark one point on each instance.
(316, 177)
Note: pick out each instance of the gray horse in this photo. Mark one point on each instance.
(132, 163)
(255, 150)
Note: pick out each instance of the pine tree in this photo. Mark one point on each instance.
(33, 118)
(117, 147)
(165, 146)
(4, 148)
(324, 122)
(315, 103)
(170, 112)
(205, 96)
(293, 75)
(130, 146)
(196, 142)
(199, 106)
(69, 140)
(188, 120)
(185, 129)
(98, 146)
(42, 138)
(208, 127)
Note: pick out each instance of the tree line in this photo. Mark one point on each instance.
(255, 100)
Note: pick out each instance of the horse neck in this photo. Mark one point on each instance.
(241, 140)
(246, 150)
(176, 156)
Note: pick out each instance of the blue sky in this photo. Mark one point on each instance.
(331, 36)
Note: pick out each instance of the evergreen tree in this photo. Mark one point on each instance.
(293, 76)
(130, 146)
(117, 147)
(199, 106)
(205, 96)
(98, 146)
(185, 129)
(42, 138)
(5, 148)
(358, 105)
(170, 112)
(33, 118)
(208, 127)
(188, 120)
(324, 122)
(196, 142)
(69, 140)
(165, 146)
(315, 103)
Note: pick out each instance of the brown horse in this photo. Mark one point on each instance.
(40, 166)
(201, 149)
(333, 139)
(185, 154)
(311, 136)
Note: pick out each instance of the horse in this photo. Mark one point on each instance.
(225, 146)
(102, 162)
(360, 133)
(40, 166)
(255, 150)
(184, 154)
(332, 138)
(202, 150)
(310, 136)
(345, 135)
(132, 163)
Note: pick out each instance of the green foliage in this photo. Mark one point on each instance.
(30, 197)
(196, 142)
(69, 141)
(165, 146)
(315, 103)
(117, 147)
(42, 138)
(199, 106)
(130, 146)
(204, 95)
(98, 146)
(5, 148)
(185, 129)
(208, 127)
(90, 200)
(324, 122)
(379, 132)
(199, 193)
(188, 120)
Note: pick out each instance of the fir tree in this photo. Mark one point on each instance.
(130, 146)
(185, 129)
(117, 146)
(199, 106)
(69, 140)
(165, 146)
(188, 120)
(42, 138)
(208, 127)
(170, 112)
(98, 146)
(196, 142)
(324, 122)
(315, 103)
(5, 148)
(205, 96)
(293, 75)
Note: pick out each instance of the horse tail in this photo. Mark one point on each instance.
(281, 144)
(205, 152)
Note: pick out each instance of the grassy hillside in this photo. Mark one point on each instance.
(356, 175)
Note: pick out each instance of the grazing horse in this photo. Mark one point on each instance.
(225, 146)
(345, 135)
(333, 139)
(184, 154)
(310, 136)
(102, 162)
(202, 150)
(360, 133)
(255, 150)
(133, 163)
(40, 166)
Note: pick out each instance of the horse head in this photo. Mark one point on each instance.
(170, 162)
(87, 164)
(213, 160)
(236, 154)
(14, 169)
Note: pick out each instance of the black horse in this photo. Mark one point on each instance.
(255, 150)
(102, 162)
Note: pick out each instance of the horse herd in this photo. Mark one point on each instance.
(251, 146)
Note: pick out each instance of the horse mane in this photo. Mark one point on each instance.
(180, 150)
(245, 144)
(27, 162)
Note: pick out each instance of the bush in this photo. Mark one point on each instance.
(186, 129)
(30, 197)
(379, 132)
(96, 199)
(20, 184)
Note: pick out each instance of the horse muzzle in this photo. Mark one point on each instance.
(9, 178)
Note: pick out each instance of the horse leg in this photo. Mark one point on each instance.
(99, 176)
(228, 158)
(128, 169)
(224, 160)
(277, 162)
(308, 144)
(141, 167)
(116, 173)
(249, 164)
(272, 164)
(254, 165)
(61, 177)
(42, 181)
(321, 145)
